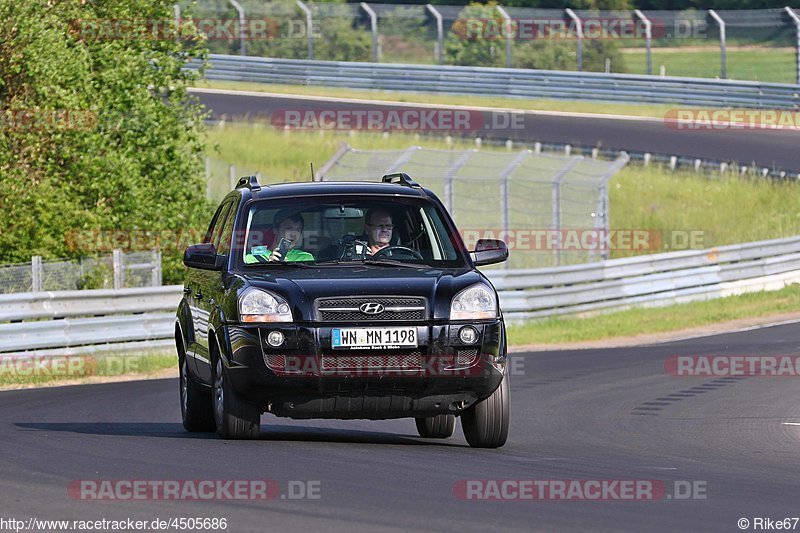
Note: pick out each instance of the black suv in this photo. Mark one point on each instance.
(341, 300)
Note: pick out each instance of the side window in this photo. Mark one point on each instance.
(223, 246)
(212, 235)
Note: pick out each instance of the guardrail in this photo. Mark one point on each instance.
(67, 322)
(507, 82)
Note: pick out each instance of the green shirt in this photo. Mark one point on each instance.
(292, 255)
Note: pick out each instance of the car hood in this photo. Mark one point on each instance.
(302, 286)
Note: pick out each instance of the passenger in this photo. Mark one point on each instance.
(287, 226)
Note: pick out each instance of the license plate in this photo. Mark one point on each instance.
(373, 338)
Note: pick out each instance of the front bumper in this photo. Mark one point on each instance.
(306, 378)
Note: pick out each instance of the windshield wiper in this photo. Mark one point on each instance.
(392, 262)
(296, 264)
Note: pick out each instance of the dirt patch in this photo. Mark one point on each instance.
(645, 339)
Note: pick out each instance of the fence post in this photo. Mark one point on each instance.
(36, 273)
(450, 176)
(309, 28)
(176, 9)
(119, 274)
(556, 200)
(648, 38)
(509, 33)
(579, 29)
(240, 9)
(721, 24)
(439, 33)
(505, 205)
(796, 21)
(155, 279)
(373, 20)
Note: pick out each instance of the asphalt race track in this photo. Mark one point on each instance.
(594, 414)
(767, 148)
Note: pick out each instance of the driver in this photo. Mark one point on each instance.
(287, 226)
(378, 228)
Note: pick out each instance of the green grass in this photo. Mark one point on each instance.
(724, 209)
(52, 370)
(756, 64)
(639, 110)
(655, 320)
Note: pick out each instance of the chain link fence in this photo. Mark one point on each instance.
(535, 202)
(738, 44)
(114, 271)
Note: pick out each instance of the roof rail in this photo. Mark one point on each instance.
(401, 178)
(251, 182)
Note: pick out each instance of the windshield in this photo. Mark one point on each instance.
(319, 231)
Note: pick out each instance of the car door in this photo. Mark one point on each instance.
(194, 295)
(210, 290)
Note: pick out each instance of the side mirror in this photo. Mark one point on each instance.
(489, 251)
(203, 256)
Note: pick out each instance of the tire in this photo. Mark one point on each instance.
(436, 427)
(197, 413)
(485, 424)
(234, 418)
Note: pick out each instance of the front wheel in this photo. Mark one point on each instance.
(485, 424)
(234, 418)
(436, 427)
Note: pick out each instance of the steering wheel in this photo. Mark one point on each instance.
(352, 248)
(389, 251)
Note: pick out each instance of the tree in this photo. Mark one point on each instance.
(96, 129)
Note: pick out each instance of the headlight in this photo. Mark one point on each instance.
(472, 303)
(262, 306)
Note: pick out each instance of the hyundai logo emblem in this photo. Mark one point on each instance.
(371, 308)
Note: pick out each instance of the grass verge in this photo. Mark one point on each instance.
(655, 320)
(37, 370)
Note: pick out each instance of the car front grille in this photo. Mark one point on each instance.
(395, 308)
(389, 362)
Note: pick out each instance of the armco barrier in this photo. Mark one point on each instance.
(69, 321)
(507, 82)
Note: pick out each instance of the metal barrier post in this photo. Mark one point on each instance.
(119, 273)
(240, 9)
(439, 33)
(509, 33)
(721, 24)
(579, 29)
(155, 277)
(309, 27)
(36, 273)
(796, 21)
(373, 18)
(648, 38)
